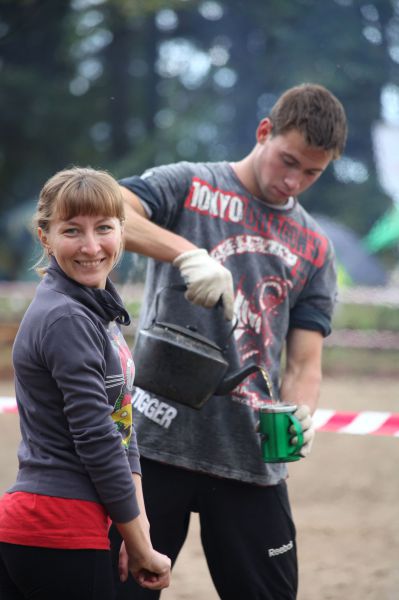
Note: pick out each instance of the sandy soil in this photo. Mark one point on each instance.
(345, 500)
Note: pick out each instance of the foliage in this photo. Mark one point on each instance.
(366, 317)
(123, 84)
(361, 317)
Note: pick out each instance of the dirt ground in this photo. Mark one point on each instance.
(345, 500)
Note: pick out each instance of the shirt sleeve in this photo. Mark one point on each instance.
(133, 453)
(73, 350)
(315, 306)
(162, 191)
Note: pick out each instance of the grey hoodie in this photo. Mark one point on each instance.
(73, 382)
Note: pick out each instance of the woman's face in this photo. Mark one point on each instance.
(86, 247)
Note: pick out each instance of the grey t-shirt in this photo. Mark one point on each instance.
(284, 276)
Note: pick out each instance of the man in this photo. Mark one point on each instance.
(207, 224)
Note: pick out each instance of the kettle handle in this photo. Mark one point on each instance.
(181, 287)
(230, 334)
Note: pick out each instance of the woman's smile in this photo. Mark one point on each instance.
(86, 247)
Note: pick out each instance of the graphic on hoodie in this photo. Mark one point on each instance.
(122, 413)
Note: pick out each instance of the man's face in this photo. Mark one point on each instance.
(285, 165)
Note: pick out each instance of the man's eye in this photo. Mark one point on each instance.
(288, 162)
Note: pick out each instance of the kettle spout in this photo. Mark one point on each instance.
(231, 381)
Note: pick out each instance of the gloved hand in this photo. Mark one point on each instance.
(303, 415)
(207, 280)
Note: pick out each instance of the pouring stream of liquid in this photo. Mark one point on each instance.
(269, 384)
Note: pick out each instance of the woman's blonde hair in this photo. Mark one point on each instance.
(77, 191)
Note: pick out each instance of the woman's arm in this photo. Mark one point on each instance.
(148, 567)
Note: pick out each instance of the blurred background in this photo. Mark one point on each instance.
(126, 84)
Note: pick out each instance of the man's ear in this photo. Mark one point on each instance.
(264, 130)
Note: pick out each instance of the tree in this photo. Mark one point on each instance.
(123, 85)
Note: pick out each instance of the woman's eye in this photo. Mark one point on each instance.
(71, 231)
(105, 227)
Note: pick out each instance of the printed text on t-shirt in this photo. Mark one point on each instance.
(220, 204)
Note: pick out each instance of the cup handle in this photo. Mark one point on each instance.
(299, 434)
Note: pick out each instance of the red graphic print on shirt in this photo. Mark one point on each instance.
(122, 413)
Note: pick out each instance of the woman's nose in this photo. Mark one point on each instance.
(90, 244)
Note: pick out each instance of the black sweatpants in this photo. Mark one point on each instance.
(247, 532)
(28, 573)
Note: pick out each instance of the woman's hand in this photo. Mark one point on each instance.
(148, 567)
(151, 570)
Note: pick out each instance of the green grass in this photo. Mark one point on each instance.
(133, 308)
(360, 316)
(347, 316)
(12, 309)
(335, 359)
(360, 361)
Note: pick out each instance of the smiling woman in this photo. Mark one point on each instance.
(79, 221)
(73, 384)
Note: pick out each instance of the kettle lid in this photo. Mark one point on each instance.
(189, 332)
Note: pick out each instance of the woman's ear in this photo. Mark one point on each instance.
(41, 234)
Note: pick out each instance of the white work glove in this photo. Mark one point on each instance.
(207, 280)
(303, 415)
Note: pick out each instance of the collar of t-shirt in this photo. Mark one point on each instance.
(287, 206)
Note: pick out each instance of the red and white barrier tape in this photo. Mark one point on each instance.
(7, 404)
(358, 423)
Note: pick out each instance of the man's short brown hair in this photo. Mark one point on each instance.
(316, 113)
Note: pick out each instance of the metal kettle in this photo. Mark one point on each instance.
(180, 364)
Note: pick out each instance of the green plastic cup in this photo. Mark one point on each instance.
(275, 421)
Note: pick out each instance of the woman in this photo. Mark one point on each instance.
(73, 381)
